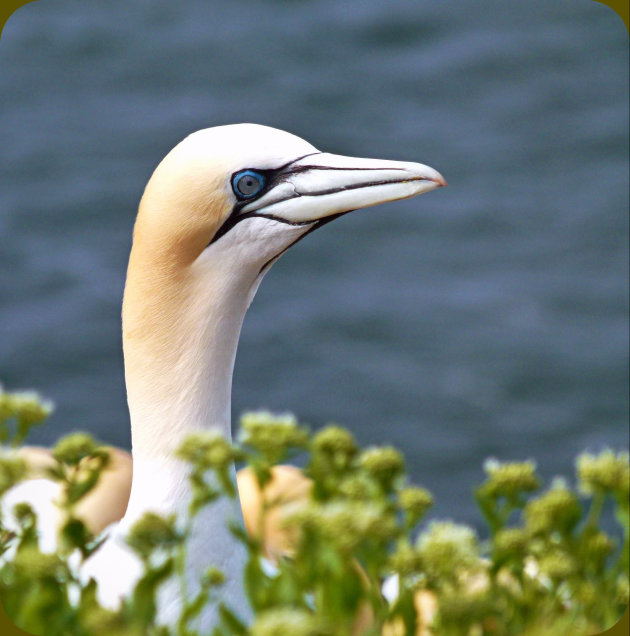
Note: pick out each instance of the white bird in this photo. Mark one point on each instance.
(217, 212)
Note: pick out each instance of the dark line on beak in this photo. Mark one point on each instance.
(306, 168)
(355, 186)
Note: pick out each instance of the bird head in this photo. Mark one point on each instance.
(218, 210)
(239, 196)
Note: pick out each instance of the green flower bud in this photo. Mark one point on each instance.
(153, 532)
(383, 463)
(301, 517)
(509, 479)
(605, 472)
(75, 447)
(213, 577)
(511, 543)
(27, 408)
(25, 405)
(557, 509)
(24, 513)
(448, 549)
(207, 451)
(558, 566)
(405, 560)
(285, 621)
(345, 523)
(415, 502)
(336, 444)
(272, 435)
(359, 487)
(596, 548)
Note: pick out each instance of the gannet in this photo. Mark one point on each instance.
(217, 212)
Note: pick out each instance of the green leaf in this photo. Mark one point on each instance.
(144, 601)
(231, 621)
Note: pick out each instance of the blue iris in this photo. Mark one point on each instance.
(247, 184)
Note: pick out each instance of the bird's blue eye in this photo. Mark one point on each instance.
(247, 184)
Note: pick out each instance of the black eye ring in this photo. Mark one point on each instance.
(247, 184)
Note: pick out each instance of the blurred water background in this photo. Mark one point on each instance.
(489, 318)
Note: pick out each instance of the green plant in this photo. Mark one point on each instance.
(546, 567)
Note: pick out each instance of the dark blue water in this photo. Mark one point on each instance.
(488, 318)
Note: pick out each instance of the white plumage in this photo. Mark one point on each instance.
(218, 211)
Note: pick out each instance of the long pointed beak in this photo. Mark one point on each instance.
(322, 185)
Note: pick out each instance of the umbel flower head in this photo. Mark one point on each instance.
(26, 408)
(597, 546)
(509, 479)
(557, 565)
(273, 436)
(207, 451)
(415, 502)
(357, 486)
(384, 464)
(606, 472)
(75, 447)
(153, 532)
(26, 405)
(448, 549)
(406, 560)
(334, 445)
(345, 524)
(557, 509)
(511, 543)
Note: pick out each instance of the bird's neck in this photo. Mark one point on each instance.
(181, 325)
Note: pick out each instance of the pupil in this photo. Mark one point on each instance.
(248, 185)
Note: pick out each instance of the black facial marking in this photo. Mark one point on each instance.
(315, 226)
(270, 179)
(265, 180)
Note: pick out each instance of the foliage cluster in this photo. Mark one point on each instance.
(546, 566)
